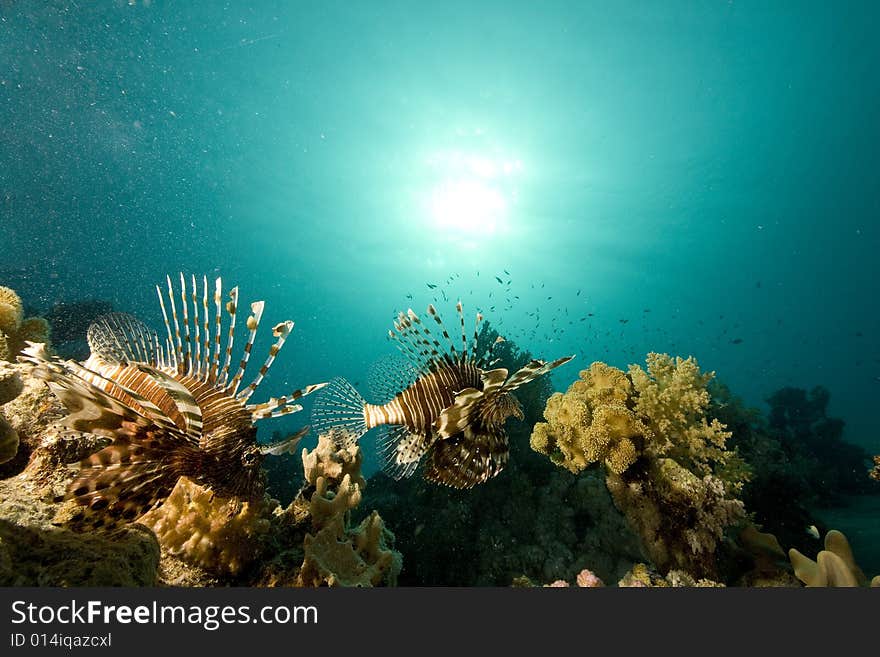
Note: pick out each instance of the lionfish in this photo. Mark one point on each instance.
(169, 407)
(449, 408)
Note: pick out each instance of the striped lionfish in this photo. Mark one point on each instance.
(449, 409)
(171, 409)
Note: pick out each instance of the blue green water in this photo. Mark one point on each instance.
(707, 171)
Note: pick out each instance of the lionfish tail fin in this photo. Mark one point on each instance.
(531, 371)
(340, 406)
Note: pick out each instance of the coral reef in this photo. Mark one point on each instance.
(833, 467)
(875, 471)
(196, 538)
(667, 465)
(337, 554)
(14, 328)
(641, 576)
(793, 473)
(834, 566)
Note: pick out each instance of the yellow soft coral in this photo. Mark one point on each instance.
(671, 397)
(591, 423)
(14, 330)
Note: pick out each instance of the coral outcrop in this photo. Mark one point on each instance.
(591, 423)
(35, 551)
(667, 465)
(218, 534)
(15, 329)
(337, 554)
(834, 566)
(10, 388)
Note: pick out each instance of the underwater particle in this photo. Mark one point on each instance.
(171, 411)
(451, 415)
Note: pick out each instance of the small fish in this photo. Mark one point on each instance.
(623, 321)
(736, 341)
(169, 406)
(450, 415)
(431, 286)
(506, 272)
(813, 531)
(499, 280)
(409, 296)
(578, 294)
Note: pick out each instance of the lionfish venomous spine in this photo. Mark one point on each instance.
(448, 407)
(170, 406)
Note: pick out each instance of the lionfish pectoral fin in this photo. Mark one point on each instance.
(453, 419)
(471, 458)
(531, 371)
(401, 450)
(123, 481)
(287, 445)
(493, 380)
(340, 406)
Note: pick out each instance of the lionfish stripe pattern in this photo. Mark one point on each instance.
(168, 406)
(451, 415)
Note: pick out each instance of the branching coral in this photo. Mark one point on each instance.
(335, 553)
(591, 423)
(14, 330)
(834, 566)
(672, 397)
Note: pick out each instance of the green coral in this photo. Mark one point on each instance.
(14, 330)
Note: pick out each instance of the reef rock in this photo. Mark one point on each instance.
(34, 551)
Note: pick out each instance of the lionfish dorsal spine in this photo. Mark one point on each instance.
(187, 354)
(253, 323)
(280, 331)
(178, 343)
(197, 360)
(218, 300)
(232, 309)
(452, 355)
(479, 319)
(203, 369)
(464, 349)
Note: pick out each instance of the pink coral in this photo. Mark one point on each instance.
(587, 579)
